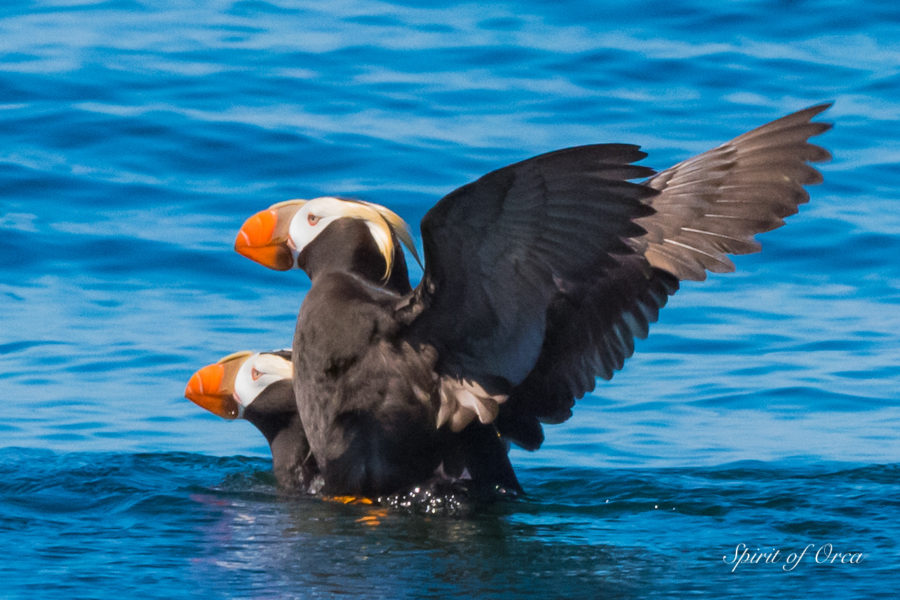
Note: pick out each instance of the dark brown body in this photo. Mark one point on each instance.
(538, 278)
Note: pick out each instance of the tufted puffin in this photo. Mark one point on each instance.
(538, 276)
(256, 386)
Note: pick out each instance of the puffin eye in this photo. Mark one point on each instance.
(254, 374)
(313, 219)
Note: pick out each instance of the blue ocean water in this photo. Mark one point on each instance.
(761, 413)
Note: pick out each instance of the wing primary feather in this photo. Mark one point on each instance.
(570, 260)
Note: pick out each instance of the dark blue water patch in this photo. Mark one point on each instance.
(99, 7)
(761, 370)
(830, 345)
(34, 255)
(27, 182)
(124, 519)
(252, 8)
(880, 85)
(15, 347)
(502, 24)
(795, 398)
(662, 342)
(867, 375)
(43, 90)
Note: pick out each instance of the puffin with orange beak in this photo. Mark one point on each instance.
(370, 242)
(537, 278)
(256, 386)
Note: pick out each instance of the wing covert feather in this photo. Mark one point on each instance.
(590, 333)
(541, 274)
(497, 250)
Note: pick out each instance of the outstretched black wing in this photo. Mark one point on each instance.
(708, 206)
(499, 250)
(537, 275)
(590, 333)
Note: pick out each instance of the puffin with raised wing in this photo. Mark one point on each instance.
(257, 387)
(538, 276)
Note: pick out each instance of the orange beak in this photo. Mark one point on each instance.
(264, 236)
(210, 388)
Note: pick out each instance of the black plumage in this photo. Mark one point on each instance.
(244, 385)
(274, 413)
(538, 277)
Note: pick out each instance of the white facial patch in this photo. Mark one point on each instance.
(318, 213)
(312, 219)
(257, 373)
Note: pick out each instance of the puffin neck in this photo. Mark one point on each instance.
(291, 460)
(271, 425)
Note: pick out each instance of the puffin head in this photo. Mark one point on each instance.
(278, 236)
(229, 387)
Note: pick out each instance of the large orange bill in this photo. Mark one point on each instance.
(209, 388)
(264, 237)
